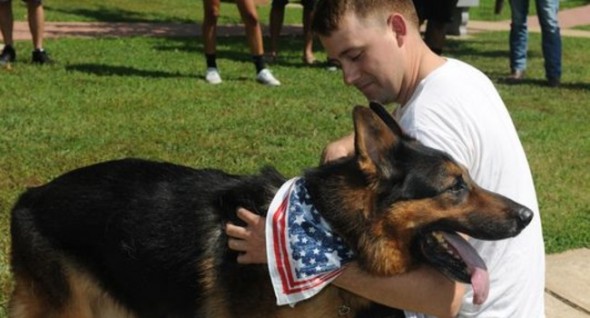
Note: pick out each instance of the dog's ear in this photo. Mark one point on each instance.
(386, 117)
(373, 141)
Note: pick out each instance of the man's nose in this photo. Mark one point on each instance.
(349, 74)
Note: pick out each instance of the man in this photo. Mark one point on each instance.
(378, 46)
(277, 16)
(36, 17)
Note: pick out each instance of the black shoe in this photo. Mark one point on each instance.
(8, 55)
(516, 77)
(40, 57)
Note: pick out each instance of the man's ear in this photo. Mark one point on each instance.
(399, 26)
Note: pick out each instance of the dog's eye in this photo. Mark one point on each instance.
(458, 186)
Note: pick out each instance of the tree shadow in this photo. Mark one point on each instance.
(110, 14)
(118, 70)
(235, 48)
(543, 83)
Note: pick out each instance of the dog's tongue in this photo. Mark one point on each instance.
(477, 267)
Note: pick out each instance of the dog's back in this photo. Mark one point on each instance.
(137, 230)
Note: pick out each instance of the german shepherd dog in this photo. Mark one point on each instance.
(136, 238)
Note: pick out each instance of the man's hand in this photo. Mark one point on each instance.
(337, 149)
(250, 241)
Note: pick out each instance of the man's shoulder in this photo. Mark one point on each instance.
(454, 67)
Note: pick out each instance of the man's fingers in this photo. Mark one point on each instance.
(248, 217)
(236, 245)
(235, 231)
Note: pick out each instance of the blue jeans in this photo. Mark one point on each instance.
(551, 37)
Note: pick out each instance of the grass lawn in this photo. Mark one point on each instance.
(145, 97)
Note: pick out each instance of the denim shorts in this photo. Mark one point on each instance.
(282, 3)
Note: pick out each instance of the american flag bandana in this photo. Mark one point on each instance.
(304, 254)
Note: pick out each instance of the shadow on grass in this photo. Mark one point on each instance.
(235, 48)
(117, 70)
(109, 14)
(543, 83)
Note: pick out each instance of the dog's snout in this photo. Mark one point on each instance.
(525, 216)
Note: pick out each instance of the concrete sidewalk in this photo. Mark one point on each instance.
(567, 285)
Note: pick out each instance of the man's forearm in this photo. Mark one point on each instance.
(423, 290)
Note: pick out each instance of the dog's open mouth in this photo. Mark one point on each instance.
(456, 258)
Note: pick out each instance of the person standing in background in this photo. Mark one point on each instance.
(277, 16)
(36, 17)
(249, 16)
(437, 14)
(551, 39)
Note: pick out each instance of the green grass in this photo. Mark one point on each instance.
(145, 97)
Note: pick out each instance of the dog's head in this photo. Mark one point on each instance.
(398, 203)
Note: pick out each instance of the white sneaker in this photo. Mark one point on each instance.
(212, 76)
(265, 77)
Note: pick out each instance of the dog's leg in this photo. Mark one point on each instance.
(29, 301)
(25, 301)
(90, 300)
(85, 300)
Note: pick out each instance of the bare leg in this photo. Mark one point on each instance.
(209, 28)
(435, 36)
(6, 22)
(308, 56)
(252, 25)
(277, 16)
(36, 16)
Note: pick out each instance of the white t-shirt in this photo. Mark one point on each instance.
(457, 109)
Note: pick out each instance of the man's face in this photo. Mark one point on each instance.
(370, 56)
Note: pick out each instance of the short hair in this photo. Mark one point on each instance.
(328, 13)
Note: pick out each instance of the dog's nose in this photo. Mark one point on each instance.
(525, 216)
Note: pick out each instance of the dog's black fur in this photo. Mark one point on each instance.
(136, 238)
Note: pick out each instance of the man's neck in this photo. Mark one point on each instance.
(423, 64)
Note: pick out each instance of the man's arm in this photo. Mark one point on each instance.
(340, 148)
(422, 290)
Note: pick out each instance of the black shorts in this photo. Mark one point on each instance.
(305, 3)
(435, 10)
